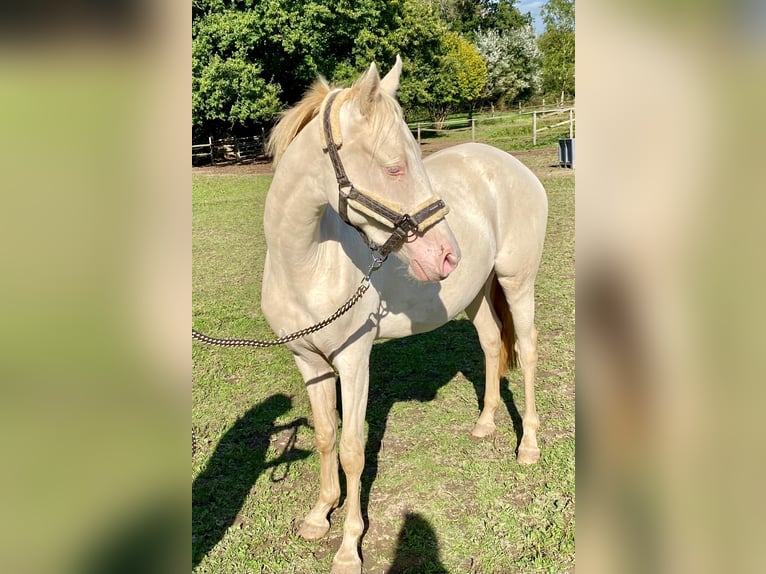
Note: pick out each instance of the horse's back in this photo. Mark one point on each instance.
(488, 189)
(490, 178)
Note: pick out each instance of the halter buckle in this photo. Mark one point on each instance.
(405, 226)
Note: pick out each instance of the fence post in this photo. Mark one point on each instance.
(571, 122)
(473, 129)
(418, 133)
(534, 127)
(212, 155)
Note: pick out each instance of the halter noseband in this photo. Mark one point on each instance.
(402, 224)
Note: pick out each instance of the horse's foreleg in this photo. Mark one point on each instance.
(522, 303)
(354, 380)
(320, 384)
(481, 315)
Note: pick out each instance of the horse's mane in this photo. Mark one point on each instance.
(296, 118)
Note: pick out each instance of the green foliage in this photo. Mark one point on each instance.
(467, 17)
(557, 45)
(470, 69)
(280, 47)
(250, 59)
(504, 16)
(411, 28)
(559, 15)
(461, 79)
(232, 91)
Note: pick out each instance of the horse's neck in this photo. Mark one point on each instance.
(296, 203)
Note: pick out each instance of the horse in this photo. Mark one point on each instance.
(466, 228)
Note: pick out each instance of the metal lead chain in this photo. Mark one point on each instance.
(377, 261)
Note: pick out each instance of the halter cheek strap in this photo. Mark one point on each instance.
(387, 213)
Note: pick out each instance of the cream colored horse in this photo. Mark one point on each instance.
(482, 258)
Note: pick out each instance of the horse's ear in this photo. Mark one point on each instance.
(369, 89)
(390, 83)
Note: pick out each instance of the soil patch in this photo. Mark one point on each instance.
(544, 162)
(258, 166)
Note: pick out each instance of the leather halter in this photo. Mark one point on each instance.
(402, 224)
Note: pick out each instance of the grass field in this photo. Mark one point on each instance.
(509, 130)
(435, 500)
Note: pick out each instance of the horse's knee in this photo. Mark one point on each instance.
(528, 357)
(489, 337)
(352, 455)
(325, 439)
(526, 350)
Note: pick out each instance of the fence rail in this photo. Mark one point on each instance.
(231, 149)
(516, 132)
(546, 114)
(539, 124)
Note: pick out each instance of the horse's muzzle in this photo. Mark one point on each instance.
(433, 256)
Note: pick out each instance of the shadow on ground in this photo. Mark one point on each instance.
(219, 491)
(417, 548)
(415, 368)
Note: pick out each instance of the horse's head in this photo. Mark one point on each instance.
(382, 161)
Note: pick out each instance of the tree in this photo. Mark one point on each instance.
(467, 17)
(513, 64)
(505, 16)
(460, 79)
(250, 58)
(559, 15)
(557, 45)
(228, 87)
(412, 29)
(232, 91)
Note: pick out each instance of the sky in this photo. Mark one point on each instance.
(533, 6)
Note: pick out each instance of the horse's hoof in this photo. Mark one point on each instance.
(528, 455)
(346, 567)
(483, 430)
(312, 532)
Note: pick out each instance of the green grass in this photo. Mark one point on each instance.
(435, 500)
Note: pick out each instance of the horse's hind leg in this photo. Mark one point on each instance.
(488, 328)
(521, 299)
(320, 385)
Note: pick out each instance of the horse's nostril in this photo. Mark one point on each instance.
(449, 264)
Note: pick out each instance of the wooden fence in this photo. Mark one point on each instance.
(244, 149)
(541, 122)
(227, 150)
(543, 114)
(420, 128)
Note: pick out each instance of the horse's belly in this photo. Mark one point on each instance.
(414, 308)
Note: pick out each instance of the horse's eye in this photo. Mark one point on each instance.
(394, 170)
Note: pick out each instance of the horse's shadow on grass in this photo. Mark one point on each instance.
(219, 491)
(417, 548)
(415, 368)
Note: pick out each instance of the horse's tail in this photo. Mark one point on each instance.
(508, 357)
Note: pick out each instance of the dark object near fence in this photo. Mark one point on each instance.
(567, 152)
